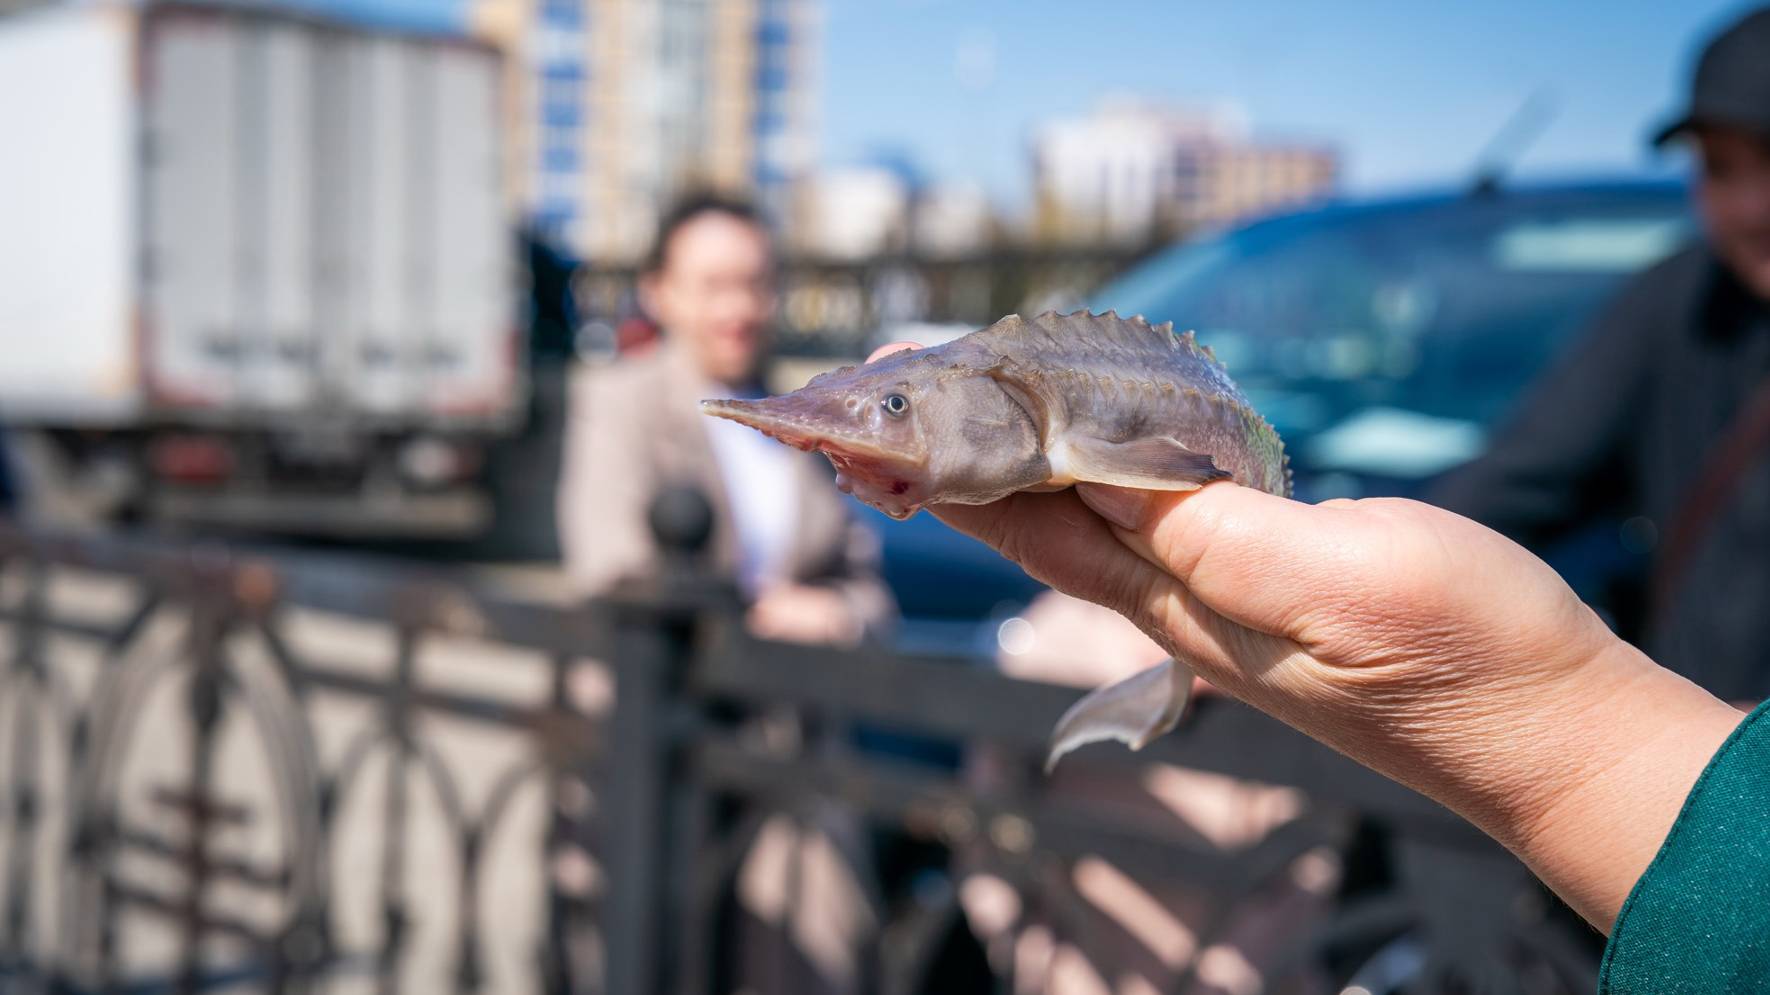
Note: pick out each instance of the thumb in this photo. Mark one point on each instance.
(1257, 559)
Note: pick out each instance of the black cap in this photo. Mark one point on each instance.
(1732, 84)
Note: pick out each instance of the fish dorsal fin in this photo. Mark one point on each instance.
(1151, 463)
(1056, 331)
(1009, 324)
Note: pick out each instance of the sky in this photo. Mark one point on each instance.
(1409, 92)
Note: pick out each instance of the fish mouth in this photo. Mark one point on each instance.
(777, 418)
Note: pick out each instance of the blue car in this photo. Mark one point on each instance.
(1382, 338)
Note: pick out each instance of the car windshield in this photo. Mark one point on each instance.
(1438, 311)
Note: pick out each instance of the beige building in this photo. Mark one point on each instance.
(1223, 182)
(1130, 172)
(619, 105)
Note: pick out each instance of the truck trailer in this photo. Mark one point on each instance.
(257, 269)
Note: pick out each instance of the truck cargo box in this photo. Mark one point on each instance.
(229, 215)
(256, 268)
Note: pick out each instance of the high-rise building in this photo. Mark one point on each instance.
(619, 105)
(1130, 172)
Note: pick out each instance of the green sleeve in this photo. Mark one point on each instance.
(1699, 918)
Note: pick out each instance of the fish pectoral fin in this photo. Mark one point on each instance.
(1134, 711)
(1154, 463)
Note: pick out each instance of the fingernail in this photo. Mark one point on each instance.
(889, 350)
(1121, 506)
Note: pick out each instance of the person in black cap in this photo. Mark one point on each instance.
(1660, 414)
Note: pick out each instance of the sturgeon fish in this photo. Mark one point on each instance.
(1037, 403)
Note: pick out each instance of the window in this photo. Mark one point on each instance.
(568, 69)
(561, 89)
(559, 149)
(561, 114)
(562, 102)
(559, 188)
(773, 33)
(565, 13)
(771, 78)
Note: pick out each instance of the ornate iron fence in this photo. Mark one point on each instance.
(316, 774)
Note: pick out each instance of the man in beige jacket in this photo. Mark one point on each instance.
(781, 529)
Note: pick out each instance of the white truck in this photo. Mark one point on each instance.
(256, 269)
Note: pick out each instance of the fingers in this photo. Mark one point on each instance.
(1122, 506)
(1058, 540)
(890, 348)
(1260, 560)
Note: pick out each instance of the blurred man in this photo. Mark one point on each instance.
(1661, 415)
(781, 530)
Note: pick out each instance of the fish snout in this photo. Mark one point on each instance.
(833, 423)
(743, 412)
(779, 418)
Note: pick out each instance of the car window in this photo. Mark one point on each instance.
(1443, 309)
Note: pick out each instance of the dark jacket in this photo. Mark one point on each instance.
(1621, 427)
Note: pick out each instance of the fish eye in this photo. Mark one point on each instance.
(895, 405)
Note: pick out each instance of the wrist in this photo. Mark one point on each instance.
(1579, 766)
(1497, 740)
(1589, 801)
(1546, 737)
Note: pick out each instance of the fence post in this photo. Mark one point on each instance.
(28, 679)
(654, 639)
(209, 618)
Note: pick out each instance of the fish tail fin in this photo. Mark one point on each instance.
(1134, 711)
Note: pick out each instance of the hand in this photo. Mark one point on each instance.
(1417, 642)
(802, 613)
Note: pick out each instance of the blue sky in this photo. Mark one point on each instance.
(1409, 91)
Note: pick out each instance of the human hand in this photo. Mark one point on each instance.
(1415, 641)
(803, 613)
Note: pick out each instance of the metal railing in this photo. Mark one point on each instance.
(314, 774)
